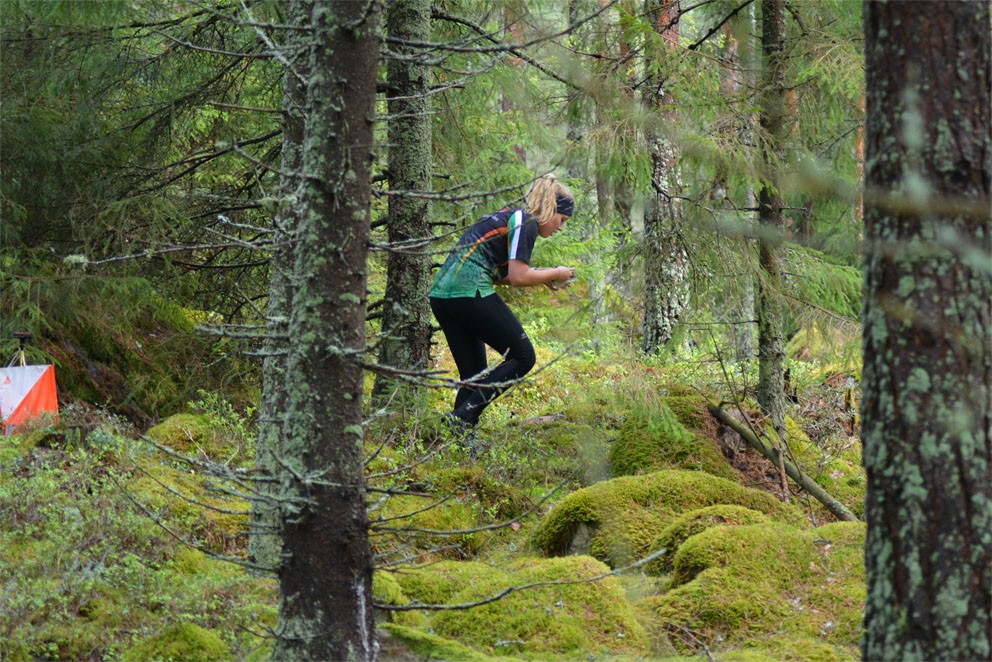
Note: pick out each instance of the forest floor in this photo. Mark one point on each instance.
(621, 519)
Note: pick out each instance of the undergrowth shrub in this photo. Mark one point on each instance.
(84, 568)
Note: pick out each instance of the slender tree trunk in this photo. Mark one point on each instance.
(325, 579)
(666, 262)
(927, 357)
(264, 546)
(406, 320)
(768, 304)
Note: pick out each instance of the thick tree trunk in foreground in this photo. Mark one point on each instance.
(927, 357)
(406, 317)
(325, 579)
(771, 335)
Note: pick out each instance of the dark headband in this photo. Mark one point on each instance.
(564, 205)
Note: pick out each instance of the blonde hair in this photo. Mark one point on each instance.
(542, 198)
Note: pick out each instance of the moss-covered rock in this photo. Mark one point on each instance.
(560, 614)
(647, 443)
(184, 641)
(690, 523)
(617, 520)
(764, 583)
(690, 410)
(399, 642)
(436, 583)
(189, 434)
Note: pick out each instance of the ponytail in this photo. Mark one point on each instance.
(548, 196)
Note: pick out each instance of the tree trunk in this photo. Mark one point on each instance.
(406, 321)
(325, 580)
(926, 323)
(264, 545)
(768, 304)
(666, 262)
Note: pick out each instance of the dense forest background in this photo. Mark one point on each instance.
(219, 221)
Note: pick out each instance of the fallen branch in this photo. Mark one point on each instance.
(804, 481)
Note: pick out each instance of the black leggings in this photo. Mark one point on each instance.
(469, 324)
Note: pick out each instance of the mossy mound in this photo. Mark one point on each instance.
(399, 643)
(437, 583)
(559, 615)
(185, 641)
(649, 441)
(790, 649)
(193, 505)
(617, 520)
(188, 434)
(690, 410)
(760, 584)
(497, 499)
(437, 527)
(689, 524)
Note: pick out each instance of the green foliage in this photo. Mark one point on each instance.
(85, 572)
(114, 341)
(817, 282)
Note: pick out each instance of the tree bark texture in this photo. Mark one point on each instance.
(406, 320)
(666, 262)
(926, 322)
(768, 304)
(264, 545)
(325, 579)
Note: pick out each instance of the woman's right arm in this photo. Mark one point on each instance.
(520, 274)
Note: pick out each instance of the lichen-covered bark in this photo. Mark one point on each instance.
(325, 578)
(927, 357)
(768, 305)
(666, 262)
(406, 317)
(264, 545)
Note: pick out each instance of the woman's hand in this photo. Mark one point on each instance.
(564, 276)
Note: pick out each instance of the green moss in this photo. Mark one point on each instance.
(431, 522)
(559, 615)
(386, 590)
(191, 505)
(402, 640)
(656, 439)
(765, 582)
(437, 583)
(191, 434)
(496, 498)
(623, 516)
(690, 410)
(185, 641)
(790, 649)
(690, 523)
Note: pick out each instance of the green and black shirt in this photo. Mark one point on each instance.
(482, 255)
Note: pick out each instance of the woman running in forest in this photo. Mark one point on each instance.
(496, 250)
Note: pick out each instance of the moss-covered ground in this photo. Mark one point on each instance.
(605, 516)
